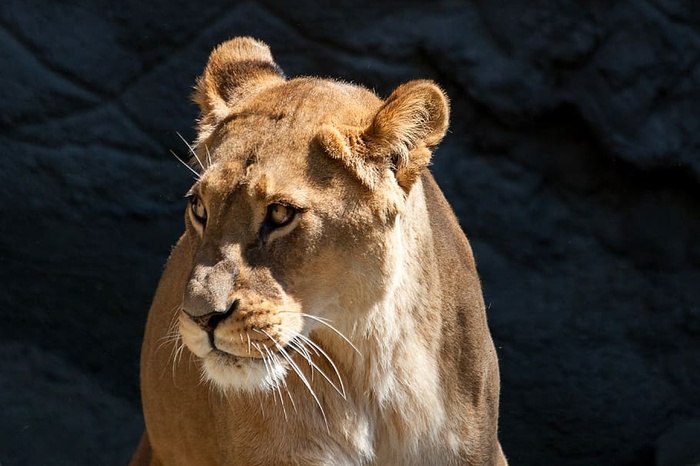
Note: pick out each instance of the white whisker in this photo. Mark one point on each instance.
(227, 394)
(172, 337)
(277, 384)
(286, 389)
(292, 335)
(206, 148)
(298, 347)
(176, 358)
(268, 369)
(168, 339)
(191, 150)
(317, 348)
(196, 175)
(299, 372)
(262, 410)
(327, 323)
(341, 390)
(203, 376)
(173, 333)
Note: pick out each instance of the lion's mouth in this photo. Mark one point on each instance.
(237, 360)
(250, 348)
(262, 369)
(234, 338)
(231, 358)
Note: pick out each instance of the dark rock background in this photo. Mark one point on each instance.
(572, 162)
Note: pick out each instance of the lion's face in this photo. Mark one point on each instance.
(280, 238)
(292, 216)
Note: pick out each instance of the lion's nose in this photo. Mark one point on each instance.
(208, 290)
(208, 322)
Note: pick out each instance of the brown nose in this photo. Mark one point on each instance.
(209, 288)
(208, 322)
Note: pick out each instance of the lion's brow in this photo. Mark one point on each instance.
(273, 116)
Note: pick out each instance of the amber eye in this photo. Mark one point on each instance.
(279, 215)
(197, 209)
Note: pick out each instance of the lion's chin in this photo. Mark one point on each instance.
(228, 372)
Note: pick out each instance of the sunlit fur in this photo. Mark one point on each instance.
(355, 333)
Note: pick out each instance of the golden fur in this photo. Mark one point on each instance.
(327, 301)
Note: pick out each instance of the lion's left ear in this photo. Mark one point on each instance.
(235, 68)
(410, 123)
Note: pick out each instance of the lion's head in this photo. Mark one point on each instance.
(292, 218)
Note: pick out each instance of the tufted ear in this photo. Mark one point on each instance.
(410, 123)
(235, 68)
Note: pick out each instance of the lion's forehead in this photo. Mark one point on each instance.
(308, 101)
(276, 178)
(294, 110)
(265, 146)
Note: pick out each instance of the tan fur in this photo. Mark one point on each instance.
(374, 248)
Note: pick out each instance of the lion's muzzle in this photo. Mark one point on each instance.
(209, 322)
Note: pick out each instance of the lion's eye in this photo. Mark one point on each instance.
(197, 209)
(279, 215)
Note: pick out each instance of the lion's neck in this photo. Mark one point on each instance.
(397, 373)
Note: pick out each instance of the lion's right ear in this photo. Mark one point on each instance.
(401, 136)
(235, 68)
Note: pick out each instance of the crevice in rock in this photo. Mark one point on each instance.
(38, 55)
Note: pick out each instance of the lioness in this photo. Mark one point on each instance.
(322, 306)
